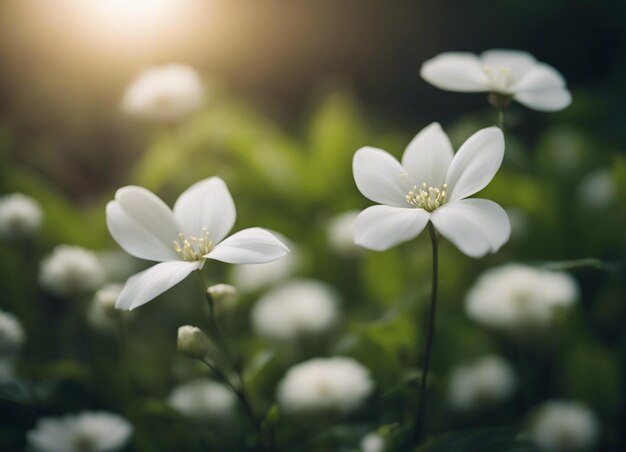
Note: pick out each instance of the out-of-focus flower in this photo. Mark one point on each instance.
(340, 231)
(20, 216)
(71, 270)
(118, 265)
(89, 431)
(167, 93)
(11, 334)
(506, 74)
(430, 185)
(484, 383)
(102, 313)
(192, 342)
(203, 399)
(564, 426)
(597, 189)
(181, 240)
(250, 278)
(224, 297)
(297, 309)
(372, 442)
(336, 384)
(515, 296)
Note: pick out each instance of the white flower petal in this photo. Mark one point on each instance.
(380, 177)
(517, 61)
(455, 71)
(206, 204)
(545, 100)
(381, 227)
(475, 163)
(249, 246)
(475, 226)
(148, 284)
(540, 77)
(142, 224)
(428, 156)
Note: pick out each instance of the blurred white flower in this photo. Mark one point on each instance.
(181, 240)
(481, 384)
(89, 431)
(250, 278)
(11, 334)
(565, 426)
(511, 74)
(296, 309)
(20, 216)
(430, 185)
(203, 399)
(340, 232)
(167, 93)
(118, 265)
(597, 189)
(372, 442)
(224, 297)
(102, 314)
(336, 384)
(71, 270)
(515, 296)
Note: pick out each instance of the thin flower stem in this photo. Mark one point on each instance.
(501, 119)
(417, 429)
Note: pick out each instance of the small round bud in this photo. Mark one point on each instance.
(224, 296)
(192, 342)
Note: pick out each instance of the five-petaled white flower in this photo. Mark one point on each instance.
(181, 240)
(508, 74)
(430, 185)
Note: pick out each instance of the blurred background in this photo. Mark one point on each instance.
(292, 90)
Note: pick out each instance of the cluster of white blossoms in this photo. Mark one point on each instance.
(89, 431)
(324, 385)
(514, 297)
(297, 309)
(182, 239)
(372, 442)
(71, 270)
(203, 399)
(167, 93)
(340, 232)
(565, 426)
(430, 185)
(20, 216)
(482, 384)
(509, 74)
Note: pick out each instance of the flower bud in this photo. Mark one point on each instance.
(192, 342)
(224, 296)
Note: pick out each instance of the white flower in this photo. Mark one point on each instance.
(166, 93)
(597, 189)
(250, 278)
(20, 216)
(565, 426)
(372, 442)
(515, 297)
(102, 313)
(296, 309)
(483, 383)
(89, 431)
(11, 334)
(511, 74)
(325, 384)
(203, 399)
(192, 342)
(71, 270)
(181, 240)
(340, 231)
(430, 185)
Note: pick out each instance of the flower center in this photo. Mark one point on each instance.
(84, 443)
(427, 198)
(499, 78)
(193, 248)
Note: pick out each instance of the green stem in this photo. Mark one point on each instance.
(417, 429)
(501, 119)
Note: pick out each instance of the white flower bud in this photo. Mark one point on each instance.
(224, 296)
(71, 270)
(192, 342)
(20, 216)
(102, 312)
